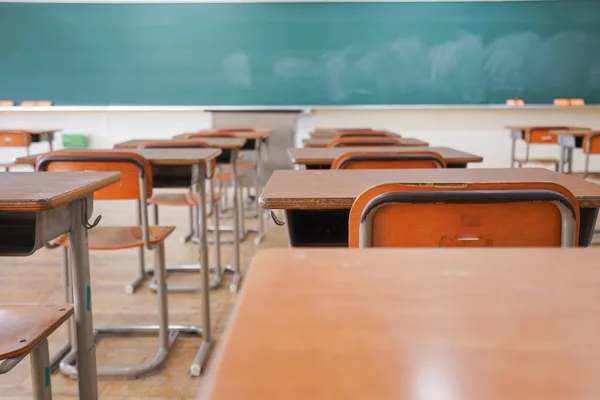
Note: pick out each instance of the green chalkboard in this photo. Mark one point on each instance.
(300, 53)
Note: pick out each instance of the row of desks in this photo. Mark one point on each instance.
(52, 191)
(408, 323)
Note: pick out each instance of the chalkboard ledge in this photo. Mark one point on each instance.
(299, 109)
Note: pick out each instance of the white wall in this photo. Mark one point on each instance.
(476, 130)
(480, 131)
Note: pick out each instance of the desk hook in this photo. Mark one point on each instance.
(277, 221)
(84, 217)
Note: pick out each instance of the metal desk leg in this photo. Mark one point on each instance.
(235, 270)
(200, 359)
(40, 372)
(82, 299)
(259, 213)
(513, 151)
(561, 159)
(570, 154)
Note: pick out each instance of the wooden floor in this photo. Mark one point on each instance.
(37, 279)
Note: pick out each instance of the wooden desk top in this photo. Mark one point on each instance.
(33, 131)
(330, 133)
(557, 128)
(32, 323)
(221, 143)
(325, 156)
(331, 189)
(352, 324)
(35, 191)
(155, 156)
(324, 142)
(257, 134)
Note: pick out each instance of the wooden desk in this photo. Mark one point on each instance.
(315, 158)
(186, 158)
(248, 135)
(170, 167)
(39, 135)
(36, 208)
(221, 143)
(317, 203)
(517, 132)
(383, 324)
(228, 145)
(324, 142)
(330, 133)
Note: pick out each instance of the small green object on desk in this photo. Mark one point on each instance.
(74, 140)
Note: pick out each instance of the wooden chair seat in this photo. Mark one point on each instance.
(119, 237)
(589, 175)
(181, 199)
(8, 166)
(245, 164)
(550, 161)
(26, 326)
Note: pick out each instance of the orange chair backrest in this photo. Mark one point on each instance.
(351, 129)
(540, 136)
(6, 103)
(132, 167)
(365, 142)
(464, 215)
(209, 134)
(174, 144)
(362, 134)
(591, 142)
(36, 103)
(235, 129)
(15, 139)
(389, 160)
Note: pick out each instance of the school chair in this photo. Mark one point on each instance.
(25, 331)
(465, 215)
(191, 200)
(36, 103)
(361, 134)
(391, 160)
(366, 142)
(537, 137)
(590, 146)
(219, 133)
(224, 175)
(135, 184)
(15, 139)
(7, 103)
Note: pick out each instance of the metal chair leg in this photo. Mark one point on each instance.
(143, 275)
(167, 334)
(68, 297)
(40, 371)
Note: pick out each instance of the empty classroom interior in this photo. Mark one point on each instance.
(228, 200)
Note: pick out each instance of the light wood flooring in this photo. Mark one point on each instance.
(37, 279)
